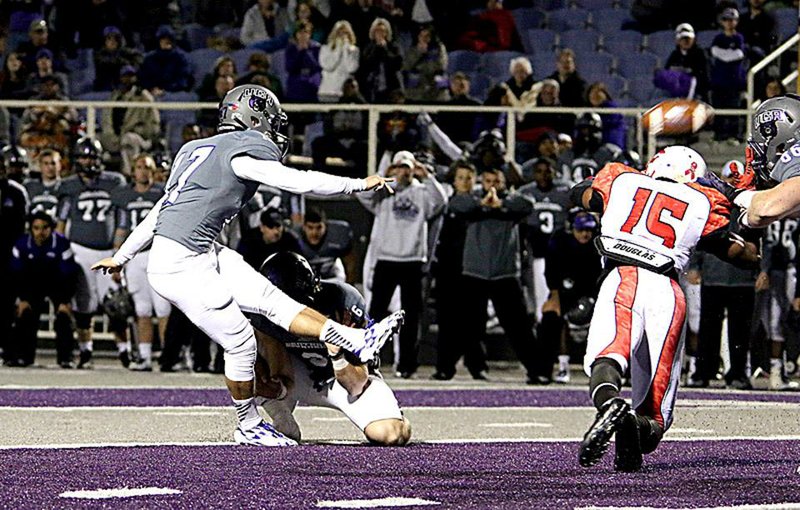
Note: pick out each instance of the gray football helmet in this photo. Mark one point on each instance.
(254, 107)
(776, 127)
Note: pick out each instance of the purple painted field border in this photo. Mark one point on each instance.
(182, 397)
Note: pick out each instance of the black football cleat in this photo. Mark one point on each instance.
(595, 442)
(85, 361)
(628, 455)
(125, 359)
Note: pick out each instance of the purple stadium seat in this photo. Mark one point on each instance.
(640, 90)
(480, 84)
(706, 37)
(526, 18)
(549, 5)
(617, 85)
(278, 65)
(640, 65)
(609, 21)
(567, 19)
(203, 62)
(196, 35)
(544, 64)
(594, 5)
(580, 41)
(240, 58)
(661, 43)
(539, 40)
(594, 64)
(496, 64)
(462, 60)
(786, 22)
(626, 41)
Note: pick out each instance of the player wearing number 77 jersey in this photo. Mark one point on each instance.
(211, 180)
(650, 223)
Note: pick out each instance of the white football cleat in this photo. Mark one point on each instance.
(282, 418)
(779, 382)
(263, 434)
(562, 377)
(377, 335)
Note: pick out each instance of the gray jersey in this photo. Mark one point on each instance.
(204, 194)
(788, 165)
(338, 242)
(43, 197)
(132, 206)
(88, 211)
(550, 212)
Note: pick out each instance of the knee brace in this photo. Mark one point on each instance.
(240, 355)
(605, 382)
(83, 320)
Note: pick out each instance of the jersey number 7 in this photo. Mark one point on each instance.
(661, 202)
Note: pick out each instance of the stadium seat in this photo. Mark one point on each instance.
(640, 65)
(539, 40)
(83, 59)
(544, 64)
(593, 5)
(706, 37)
(196, 35)
(103, 95)
(526, 18)
(240, 58)
(616, 84)
(626, 41)
(609, 21)
(480, 84)
(579, 41)
(549, 5)
(562, 20)
(203, 62)
(640, 90)
(278, 65)
(661, 43)
(461, 60)
(786, 22)
(496, 64)
(595, 64)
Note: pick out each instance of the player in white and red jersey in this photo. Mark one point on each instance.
(650, 224)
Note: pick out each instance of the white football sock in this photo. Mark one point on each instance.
(122, 346)
(563, 361)
(247, 413)
(86, 346)
(347, 338)
(146, 352)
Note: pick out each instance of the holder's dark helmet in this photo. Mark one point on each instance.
(87, 156)
(292, 274)
(776, 127)
(254, 107)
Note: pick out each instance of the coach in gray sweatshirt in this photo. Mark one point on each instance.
(492, 263)
(399, 241)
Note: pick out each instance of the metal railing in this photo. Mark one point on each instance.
(780, 50)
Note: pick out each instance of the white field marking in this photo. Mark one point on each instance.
(191, 413)
(767, 506)
(123, 492)
(375, 503)
(678, 430)
(527, 424)
(156, 409)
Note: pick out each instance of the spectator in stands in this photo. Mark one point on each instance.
(773, 88)
(306, 13)
(728, 73)
(381, 62)
(521, 80)
(339, 59)
(206, 118)
(345, 133)
(144, 17)
(264, 20)
(530, 127)
(39, 39)
(360, 13)
(223, 66)
(460, 127)
(258, 70)
(44, 70)
(14, 83)
(271, 237)
(614, 129)
(397, 129)
(212, 13)
(129, 130)
(167, 68)
(302, 66)
(327, 245)
(491, 265)
(758, 28)
(13, 211)
(111, 57)
(42, 268)
(492, 30)
(497, 96)
(88, 20)
(425, 67)
(573, 87)
(589, 149)
(687, 58)
(399, 241)
(47, 126)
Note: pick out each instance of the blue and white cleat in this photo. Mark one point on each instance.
(376, 335)
(263, 434)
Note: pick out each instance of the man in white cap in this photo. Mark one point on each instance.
(399, 244)
(689, 59)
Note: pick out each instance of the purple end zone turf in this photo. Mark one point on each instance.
(161, 397)
(485, 476)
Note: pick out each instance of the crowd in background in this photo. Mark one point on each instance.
(466, 220)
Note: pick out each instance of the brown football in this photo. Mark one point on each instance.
(677, 117)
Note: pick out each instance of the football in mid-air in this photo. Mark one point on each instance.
(674, 117)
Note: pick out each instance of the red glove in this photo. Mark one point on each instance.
(744, 178)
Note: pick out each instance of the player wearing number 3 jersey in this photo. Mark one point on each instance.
(211, 180)
(650, 223)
